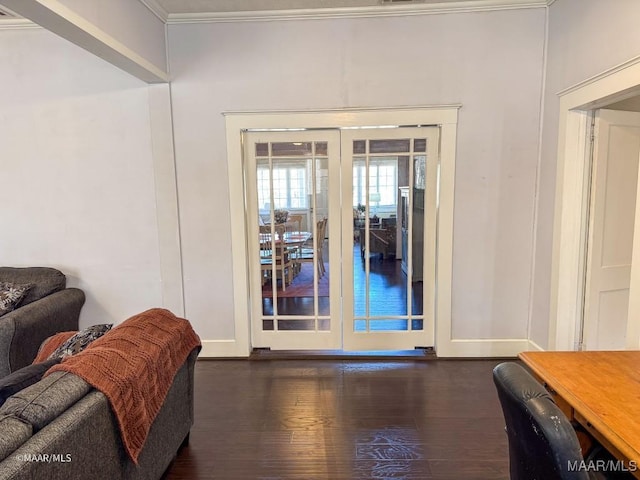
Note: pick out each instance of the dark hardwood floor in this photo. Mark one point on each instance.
(344, 419)
(387, 294)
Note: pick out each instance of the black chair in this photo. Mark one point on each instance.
(542, 442)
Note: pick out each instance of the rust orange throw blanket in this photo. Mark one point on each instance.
(134, 365)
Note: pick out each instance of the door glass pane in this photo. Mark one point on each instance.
(381, 324)
(359, 146)
(415, 251)
(262, 149)
(321, 148)
(420, 145)
(293, 195)
(296, 324)
(380, 286)
(287, 149)
(390, 146)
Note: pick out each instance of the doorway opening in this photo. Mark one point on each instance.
(342, 228)
(245, 235)
(615, 152)
(569, 268)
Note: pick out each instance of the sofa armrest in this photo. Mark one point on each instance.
(23, 330)
(88, 434)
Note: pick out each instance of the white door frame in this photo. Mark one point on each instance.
(569, 237)
(236, 122)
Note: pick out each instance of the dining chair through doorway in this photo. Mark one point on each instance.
(315, 251)
(274, 250)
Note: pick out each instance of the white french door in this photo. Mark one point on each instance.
(342, 237)
(391, 175)
(297, 172)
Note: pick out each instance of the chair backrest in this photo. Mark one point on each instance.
(268, 248)
(320, 231)
(542, 442)
(295, 222)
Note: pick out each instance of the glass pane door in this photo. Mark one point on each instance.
(292, 180)
(390, 177)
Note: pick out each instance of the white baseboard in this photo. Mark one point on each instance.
(483, 348)
(493, 348)
(223, 348)
(534, 346)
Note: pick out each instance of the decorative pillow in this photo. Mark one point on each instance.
(23, 378)
(11, 294)
(51, 343)
(80, 341)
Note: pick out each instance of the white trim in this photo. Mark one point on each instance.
(444, 242)
(157, 9)
(445, 116)
(17, 24)
(346, 112)
(596, 78)
(569, 238)
(509, 347)
(534, 229)
(166, 190)
(633, 326)
(222, 348)
(534, 346)
(356, 12)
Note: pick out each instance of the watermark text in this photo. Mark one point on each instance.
(601, 466)
(44, 457)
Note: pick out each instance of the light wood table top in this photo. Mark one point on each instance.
(604, 390)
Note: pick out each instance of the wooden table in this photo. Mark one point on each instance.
(289, 241)
(600, 390)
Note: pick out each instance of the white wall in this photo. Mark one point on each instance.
(586, 37)
(489, 62)
(77, 173)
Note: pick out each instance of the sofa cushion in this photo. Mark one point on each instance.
(14, 433)
(80, 341)
(44, 280)
(11, 294)
(43, 401)
(23, 378)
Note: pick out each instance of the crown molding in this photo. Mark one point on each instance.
(17, 24)
(343, 110)
(156, 9)
(600, 76)
(357, 12)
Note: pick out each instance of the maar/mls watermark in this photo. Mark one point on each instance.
(44, 457)
(602, 466)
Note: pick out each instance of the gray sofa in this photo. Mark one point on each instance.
(62, 428)
(48, 308)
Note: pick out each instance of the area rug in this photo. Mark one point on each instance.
(302, 285)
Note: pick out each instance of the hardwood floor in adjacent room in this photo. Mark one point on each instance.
(344, 419)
